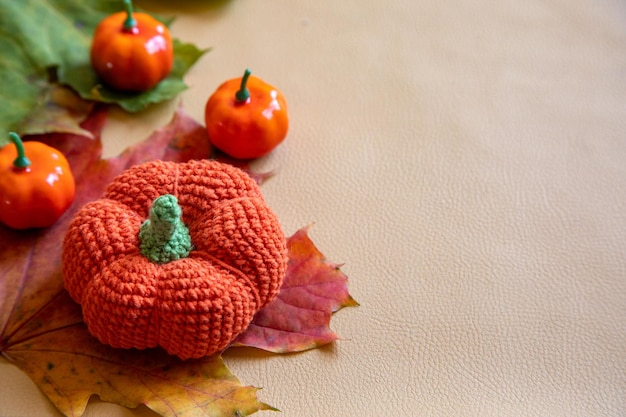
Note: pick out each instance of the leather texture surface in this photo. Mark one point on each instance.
(467, 162)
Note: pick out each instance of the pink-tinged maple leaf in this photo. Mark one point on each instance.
(299, 317)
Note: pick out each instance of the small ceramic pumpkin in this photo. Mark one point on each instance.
(177, 255)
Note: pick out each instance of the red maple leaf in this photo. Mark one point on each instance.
(299, 317)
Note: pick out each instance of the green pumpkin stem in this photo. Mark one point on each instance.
(164, 237)
(21, 161)
(130, 22)
(243, 94)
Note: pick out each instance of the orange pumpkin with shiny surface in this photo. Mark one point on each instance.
(132, 51)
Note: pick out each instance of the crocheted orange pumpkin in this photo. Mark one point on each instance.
(177, 255)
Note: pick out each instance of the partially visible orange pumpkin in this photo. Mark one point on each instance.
(193, 306)
(132, 51)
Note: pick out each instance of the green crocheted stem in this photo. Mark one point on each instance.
(164, 237)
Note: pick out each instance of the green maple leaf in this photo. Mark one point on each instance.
(46, 42)
(84, 80)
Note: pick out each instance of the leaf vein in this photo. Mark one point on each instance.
(23, 277)
(44, 333)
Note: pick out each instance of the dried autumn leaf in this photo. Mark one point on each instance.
(299, 317)
(30, 260)
(69, 366)
(38, 37)
(41, 329)
(60, 110)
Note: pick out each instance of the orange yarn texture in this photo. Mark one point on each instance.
(194, 306)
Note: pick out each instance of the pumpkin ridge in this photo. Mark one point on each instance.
(87, 250)
(117, 307)
(138, 186)
(243, 233)
(188, 295)
(243, 277)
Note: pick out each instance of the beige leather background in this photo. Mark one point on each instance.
(466, 160)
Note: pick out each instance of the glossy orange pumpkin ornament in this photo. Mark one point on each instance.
(177, 255)
(246, 117)
(132, 51)
(36, 184)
